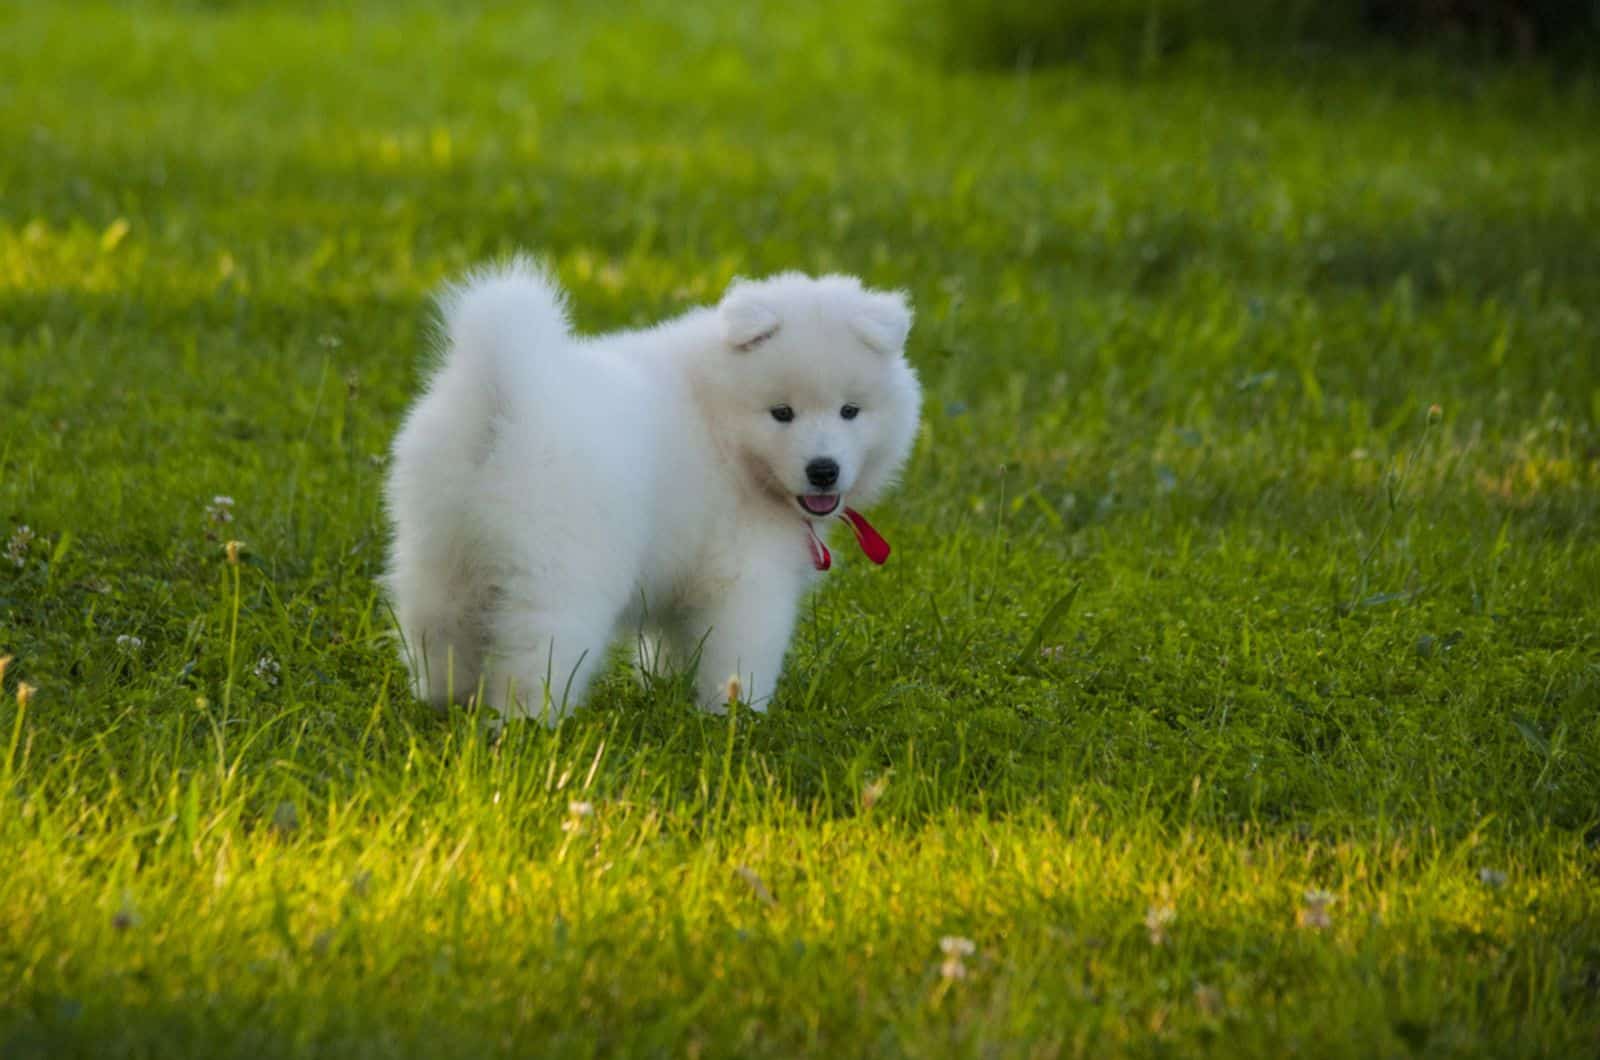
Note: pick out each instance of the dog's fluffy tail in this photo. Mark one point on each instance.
(499, 315)
(495, 327)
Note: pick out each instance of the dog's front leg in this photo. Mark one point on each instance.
(747, 636)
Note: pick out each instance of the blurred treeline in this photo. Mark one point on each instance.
(1006, 32)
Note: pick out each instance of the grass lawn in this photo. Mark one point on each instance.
(1224, 694)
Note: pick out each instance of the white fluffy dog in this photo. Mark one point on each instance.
(550, 490)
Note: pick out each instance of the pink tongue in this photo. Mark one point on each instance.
(820, 504)
(871, 542)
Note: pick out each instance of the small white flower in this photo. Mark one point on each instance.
(1315, 913)
(129, 643)
(267, 669)
(576, 812)
(955, 948)
(220, 510)
(1492, 878)
(17, 547)
(1156, 921)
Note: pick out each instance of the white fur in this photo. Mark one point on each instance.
(551, 491)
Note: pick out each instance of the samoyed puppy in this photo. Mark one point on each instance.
(553, 492)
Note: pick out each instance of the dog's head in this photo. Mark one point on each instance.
(814, 394)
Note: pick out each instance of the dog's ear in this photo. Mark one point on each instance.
(882, 320)
(747, 321)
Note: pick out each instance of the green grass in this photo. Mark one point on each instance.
(1180, 333)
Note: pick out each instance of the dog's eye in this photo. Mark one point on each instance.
(850, 412)
(782, 413)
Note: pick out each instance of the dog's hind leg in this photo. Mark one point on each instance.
(541, 660)
(439, 609)
(662, 649)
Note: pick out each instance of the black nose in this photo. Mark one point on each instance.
(822, 472)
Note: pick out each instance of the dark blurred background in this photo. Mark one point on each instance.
(993, 32)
